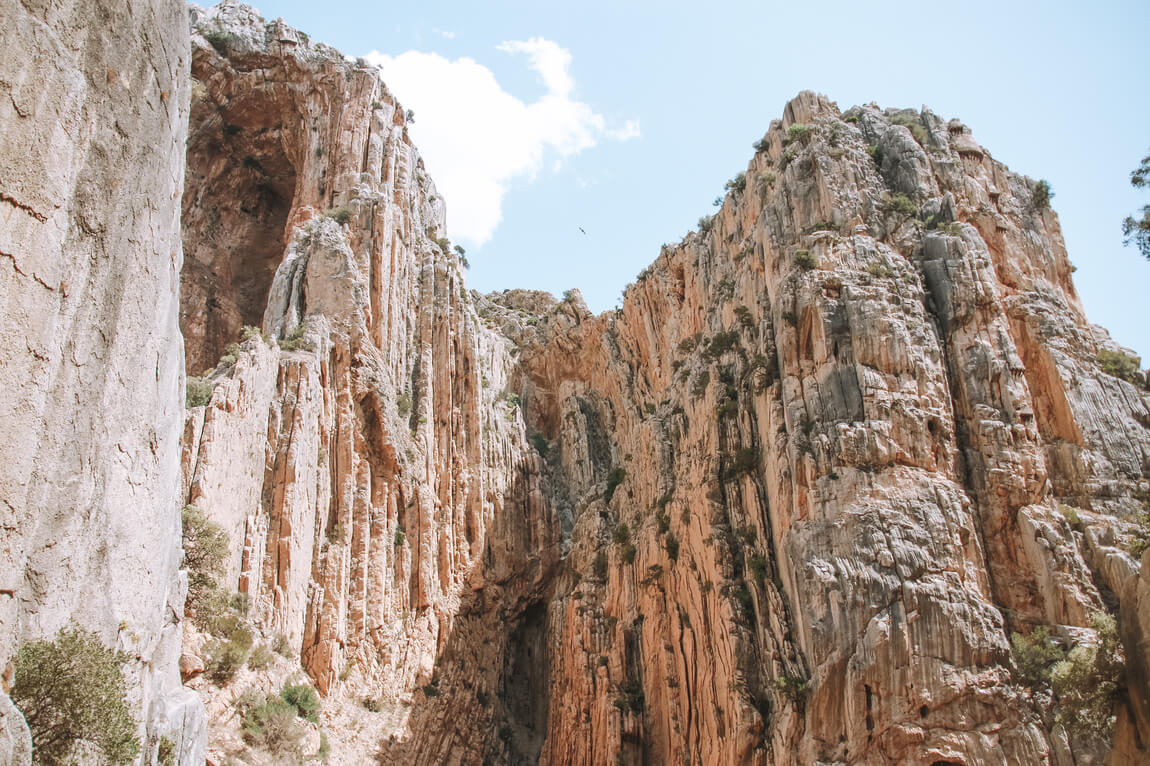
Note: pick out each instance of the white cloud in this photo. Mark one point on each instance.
(550, 61)
(476, 138)
(447, 34)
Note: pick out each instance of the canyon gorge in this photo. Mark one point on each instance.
(787, 504)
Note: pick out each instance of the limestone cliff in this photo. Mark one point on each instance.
(369, 464)
(787, 505)
(93, 116)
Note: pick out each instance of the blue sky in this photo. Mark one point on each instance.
(626, 119)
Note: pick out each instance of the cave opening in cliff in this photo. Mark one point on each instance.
(237, 196)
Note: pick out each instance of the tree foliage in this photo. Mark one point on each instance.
(1035, 655)
(205, 551)
(1086, 683)
(72, 691)
(1136, 231)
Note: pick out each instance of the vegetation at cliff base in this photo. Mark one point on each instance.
(271, 725)
(72, 692)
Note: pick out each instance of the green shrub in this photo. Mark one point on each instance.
(687, 345)
(1087, 683)
(622, 534)
(400, 537)
(1140, 537)
(166, 752)
(260, 657)
(1042, 194)
(1119, 365)
(792, 686)
(705, 224)
(340, 215)
(737, 184)
(767, 179)
(614, 479)
(294, 341)
(304, 699)
(761, 145)
(539, 442)
(745, 460)
(743, 314)
(797, 132)
(205, 551)
(627, 553)
(671, 544)
(1035, 656)
(720, 343)
(431, 691)
(876, 269)
(913, 122)
(227, 656)
(250, 332)
(372, 705)
(805, 260)
(272, 726)
(72, 692)
(786, 158)
(403, 405)
(900, 204)
(219, 39)
(759, 567)
(198, 392)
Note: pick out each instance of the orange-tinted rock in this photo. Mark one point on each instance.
(785, 506)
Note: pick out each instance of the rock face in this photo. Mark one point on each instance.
(369, 465)
(93, 104)
(785, 506)
(846, 421)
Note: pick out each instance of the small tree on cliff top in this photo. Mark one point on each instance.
(1137, 230)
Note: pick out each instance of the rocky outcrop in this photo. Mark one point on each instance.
(367, 460)
(93, 103)
(786, 505)
(840, 428)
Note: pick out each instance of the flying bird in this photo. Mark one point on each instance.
(581, 229)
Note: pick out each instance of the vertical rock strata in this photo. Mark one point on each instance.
(842, 419)
(786, 505)
(368, 460)
(93, 104)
